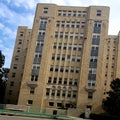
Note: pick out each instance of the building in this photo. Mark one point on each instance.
(17, 65)
(70, 60)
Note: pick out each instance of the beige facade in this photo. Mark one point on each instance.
(71, 59)
(17, 65)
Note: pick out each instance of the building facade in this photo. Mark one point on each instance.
(17, 65)
(70, 60)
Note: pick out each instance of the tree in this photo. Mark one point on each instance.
(112, 103)
(3, 77)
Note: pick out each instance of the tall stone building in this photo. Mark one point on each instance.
(70, 60)
(17, 65)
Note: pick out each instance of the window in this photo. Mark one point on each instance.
(15, 66)
(76, 35)
(51, 103)
(63, 24)
(77, 70)
(72, 69)
(56, 68)
(78, 25)
(58, 57)
(63, 57)
(78, 58)
(99, 12)
(73, 24)
(12, 83)
(79, 13)
(16, 58)
(69, 94)
(32, 90)
(49, 80)
(73, 58)
(13, 75)
(20, 41)
(57, 23)
(53, 93)
(34, 77)
(76, 82)
(55, 45)
(62, 69)
(30, 102)
(90, 95)
(64, 12)
(59, 104)
(59, 12)
(56, 34)
(60, 46)
(74, 13)
(82, 24)
(67, 69)
(53, 56)
(18, 49)
(21, 34)
(63, 93)
(61, 35)
(69, 13)
(66, 35)
(45, 10)
(58, 93)
(10, 92)
(74, 94)
(60, 81)
(47, 91)
(65, 81)
(54, 80)
(51, 68)
(70, 82)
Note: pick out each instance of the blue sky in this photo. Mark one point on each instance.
(14, 13)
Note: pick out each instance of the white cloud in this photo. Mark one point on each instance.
(27, 4)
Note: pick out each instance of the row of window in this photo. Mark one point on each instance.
(72, 24)
(64, 81)
(71, 13)
(64, 69)
(66, 46)
(61, 93)
(64, 57)
(67, 35)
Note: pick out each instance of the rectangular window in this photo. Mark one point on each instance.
(12, 83)
(99, 12)
(60, 81)
(59, 12)
(16, 58)
(90, 95)
(15, 66)
(10, 92)
(30, 102)
(47, 91)
(32, 90)
(51, 103)
(45, 10)
(21, 34)
(13, 75)
(65, 81)
(20, 41)
(49, 80)
(18, 49)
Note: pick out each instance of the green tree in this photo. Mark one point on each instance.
(3, 77)
(112, 102)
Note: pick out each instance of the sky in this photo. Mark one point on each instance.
(14, 13)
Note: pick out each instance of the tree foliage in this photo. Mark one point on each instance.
(112, 103)
(3, 77)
